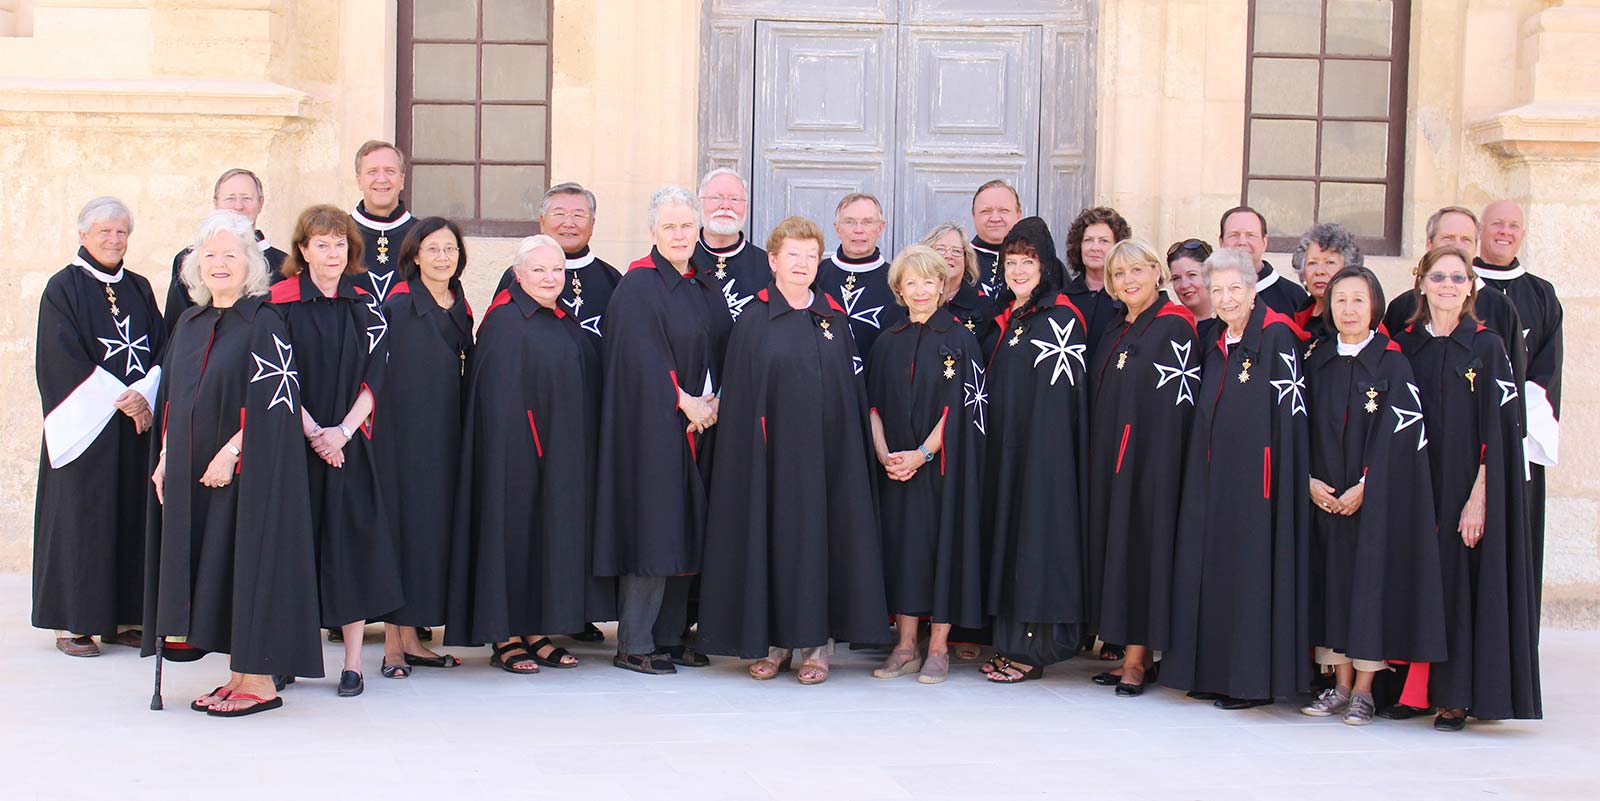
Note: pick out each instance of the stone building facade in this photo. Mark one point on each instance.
(150, 100)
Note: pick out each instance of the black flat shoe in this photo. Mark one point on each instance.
(280, 682)
(442, 661)
(1106, 679)
(1200, 695)
(1401, 712)
(1151, 674)
(1241, 703)
(1446, 722)
(350, 684)
(590, 633)
(1130, 690)
(688, 657)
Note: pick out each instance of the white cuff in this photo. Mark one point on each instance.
(1543, 443)
(148, 385)
(72, 426)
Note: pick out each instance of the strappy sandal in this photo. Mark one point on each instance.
(775, 666)
(441, 661)
(901, 662)
(1001, 676)
(258, 704)
(641, 663)
(994, 663)
(395, 671)
(521, 664)
(556, 654)
(219, 694)
(817, 668)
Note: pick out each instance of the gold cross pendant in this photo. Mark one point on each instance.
(1016, 336)
(1122, 360)
(1244, 372)
(850, 281)
(722, 268)
(826, 334)
(949, 367)
(1472, 378)
(1372, 400)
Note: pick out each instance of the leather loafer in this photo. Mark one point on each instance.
(1241, 703)
(1401, 712)
(688, 657)
(132, 638)
(350, 684)
(77, 646)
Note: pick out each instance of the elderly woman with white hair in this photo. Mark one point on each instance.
(665, 336)
(230, 562)
(521, 558)
(1323, 251)
(99, 334)
(1239, 633)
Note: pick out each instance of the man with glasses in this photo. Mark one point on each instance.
(237, 190)
(996, 207)
(566, 214)
(1245, 230)
(857, 274)
(738, 266)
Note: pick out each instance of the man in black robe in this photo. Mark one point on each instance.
(857, 274)
(723, 253)
(99, 334)
(996, 207)
(1245, 229)
(1458, 226)
(567, 215)
(381, 216)
(1539, 312)
(237, 190)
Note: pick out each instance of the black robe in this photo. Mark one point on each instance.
(1280, 294)
(416, 436)
(1100, 312)
(792, 556)
(590, 282)
(88, 516)
(862, 287)
(1540, 316)
(665, 331)
(234, 568)
(1494, 310)
(1240, 614)
(1207, 331)
(740, 270)
(1490, 591)
(1376, 592)
(178, 300)
(991, 273)
(1034, 482)
(343, 346)
(919, 377)
(521, 561)
(1311, 322)
(974, 309)
(1142, 402)
(381, 238)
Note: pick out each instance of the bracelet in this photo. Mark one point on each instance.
(926, 454)
(315, 430)
(233, 450)
(348, 434)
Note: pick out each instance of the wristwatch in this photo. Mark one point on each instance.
(348, 434)
(926, 454)
(233, 449)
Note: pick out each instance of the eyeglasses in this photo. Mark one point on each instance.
(864, 222)
(579, 217)
(1190, 244)
(725, 200)
(949, 250)
(1455, 278)
(447, 250)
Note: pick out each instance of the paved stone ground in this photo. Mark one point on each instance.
(81, 729)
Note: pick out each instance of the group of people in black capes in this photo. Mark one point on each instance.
(1247, 490)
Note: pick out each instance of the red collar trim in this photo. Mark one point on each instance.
(1179, 311)
(1274, 316)
(286, 291)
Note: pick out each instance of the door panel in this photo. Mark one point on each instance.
(969, 113)
(825, 118)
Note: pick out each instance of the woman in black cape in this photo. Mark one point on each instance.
(1239, 598)
(923, 380)
(341, 338)
(1376, 595)
(793, 558)
(416, 431)
(1143, 394)
(522, 560)
(1472, 410)
(1034, 479)
(666, 329)
(1324, 250)
(963, 297)
(230, 562)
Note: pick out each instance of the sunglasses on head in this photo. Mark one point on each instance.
(1203, 249)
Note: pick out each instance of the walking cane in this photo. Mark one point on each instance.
(155, 697)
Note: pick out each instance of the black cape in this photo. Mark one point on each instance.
(342, 346)
(1240, 614)
(1540, 339)
(974, 309)
(380, 253)
(793, 556)
(521, 562)
(991, 273)
(740, 270)
(862, 287)
(1146, 384)
(234, 568)
(1034, 482)
(416, 436)
(1100, 311)
(590, 282)
(1376, 592)
(1494, 310)
(178, 300)
(921, 377)
(88, 516)
(1490, 594)
(1280, 294)
(665, 331)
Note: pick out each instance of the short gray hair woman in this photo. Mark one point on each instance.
(258, 277)
(1323, 251)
